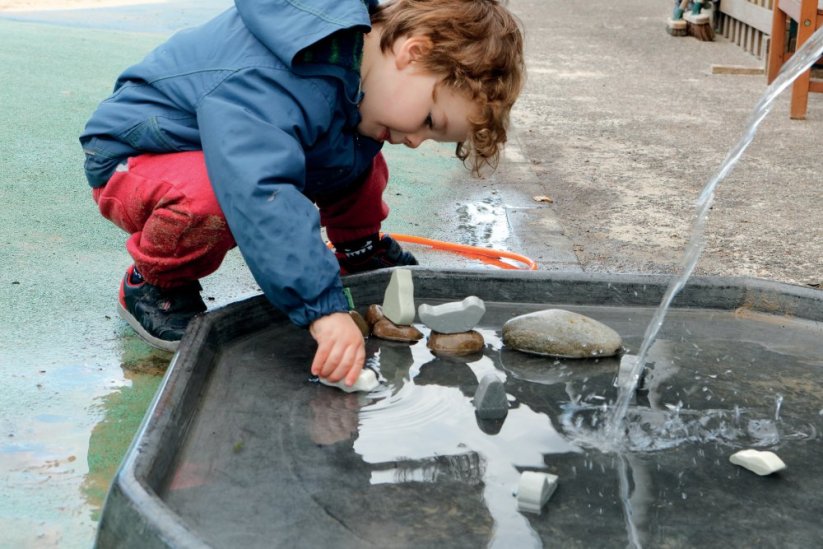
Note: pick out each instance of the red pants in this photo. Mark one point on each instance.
(178, 231)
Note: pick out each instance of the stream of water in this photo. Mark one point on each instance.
(801, 61)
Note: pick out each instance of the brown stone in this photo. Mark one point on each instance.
(373, 314)
(386, 329)
(361, 323)
(463, 343)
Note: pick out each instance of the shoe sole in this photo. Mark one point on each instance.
(155, 342)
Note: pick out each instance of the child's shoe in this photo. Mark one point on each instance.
(159, 316)
(371, 253)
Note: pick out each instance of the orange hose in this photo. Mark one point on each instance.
(486, 255)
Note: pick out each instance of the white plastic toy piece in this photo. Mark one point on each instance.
(453, 318)
(760, 462)
(624, 374)
(490, 400)
(398, 301)
(365, 382)
(534, 490)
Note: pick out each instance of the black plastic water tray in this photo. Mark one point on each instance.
(240, 448)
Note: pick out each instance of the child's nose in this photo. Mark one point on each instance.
(414, 140)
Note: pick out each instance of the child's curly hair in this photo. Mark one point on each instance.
(478, 46)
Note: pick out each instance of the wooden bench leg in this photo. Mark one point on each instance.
(805, 28)
(777, 43)
(800, 97)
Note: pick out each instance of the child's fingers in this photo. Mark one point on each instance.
(321, 357)
(357, 366)
(347, 362)
(332, 364)
(340, 351)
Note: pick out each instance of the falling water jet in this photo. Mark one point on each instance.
(801, 61)
(778, 402)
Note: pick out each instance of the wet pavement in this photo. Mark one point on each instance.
(76, 381)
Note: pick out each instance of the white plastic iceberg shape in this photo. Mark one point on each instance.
(453, 318)
(366, 381)
(760, 462)
(534, 490)
(398, 301)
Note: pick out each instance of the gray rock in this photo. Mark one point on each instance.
(490, 400)
(560, 333)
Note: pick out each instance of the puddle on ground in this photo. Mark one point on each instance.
(60, 461)
(483, 223)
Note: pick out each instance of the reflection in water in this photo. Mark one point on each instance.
(122, 412)
(42, 454)
(635, 484)
(467, 468)
(428, 432)
(333, 416)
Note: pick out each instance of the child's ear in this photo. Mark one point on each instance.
(410, 49)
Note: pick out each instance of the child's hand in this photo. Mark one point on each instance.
(341, 352)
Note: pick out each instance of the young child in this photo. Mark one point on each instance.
(265, 123)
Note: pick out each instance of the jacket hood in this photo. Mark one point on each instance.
(288, 26)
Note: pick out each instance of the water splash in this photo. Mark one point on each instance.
(654, 430)
(801, 61)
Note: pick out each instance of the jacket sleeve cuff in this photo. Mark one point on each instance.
(331, 301)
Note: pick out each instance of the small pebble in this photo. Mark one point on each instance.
(361, 323)
(465, 343)
(373, 314)
(386, 329)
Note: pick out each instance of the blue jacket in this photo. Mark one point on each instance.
(277, 126)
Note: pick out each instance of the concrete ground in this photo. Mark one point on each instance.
(620, 125)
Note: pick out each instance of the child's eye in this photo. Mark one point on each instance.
(429, 121)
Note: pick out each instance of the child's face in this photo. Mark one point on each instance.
(402, 103)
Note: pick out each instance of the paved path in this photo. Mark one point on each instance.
(624, 125)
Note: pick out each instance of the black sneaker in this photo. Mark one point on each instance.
(159, 316)
(371, 253)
